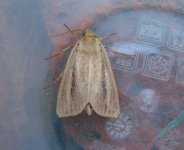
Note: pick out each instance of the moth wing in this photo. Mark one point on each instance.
(71, 101)
(106, 101)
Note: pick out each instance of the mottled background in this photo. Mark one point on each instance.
(150, 81)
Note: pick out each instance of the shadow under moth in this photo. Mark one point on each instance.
(87, 82)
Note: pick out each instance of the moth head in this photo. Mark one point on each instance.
(89, 33)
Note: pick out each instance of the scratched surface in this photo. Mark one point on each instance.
(150, 81)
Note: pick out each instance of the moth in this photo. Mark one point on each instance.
(87, 82)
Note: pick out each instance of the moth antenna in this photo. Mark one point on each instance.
(51, 84)
(116, 52)
(59, 53)
(75, 30)
(72, 32)
(68, 28)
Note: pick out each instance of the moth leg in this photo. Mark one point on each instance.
(58, 78)
(60, 53)
(121, 93)
(111, 50)
(106, 37)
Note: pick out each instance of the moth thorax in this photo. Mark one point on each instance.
(89, 109)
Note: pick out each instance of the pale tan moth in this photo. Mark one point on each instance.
(87, 82)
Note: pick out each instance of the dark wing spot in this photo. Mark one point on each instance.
(94, 37)
(103, 82)
(100, 47)
(77, 46)
(83, 34)
(73, 82)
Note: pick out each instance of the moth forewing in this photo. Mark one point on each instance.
(88, 82)
(108, 106)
